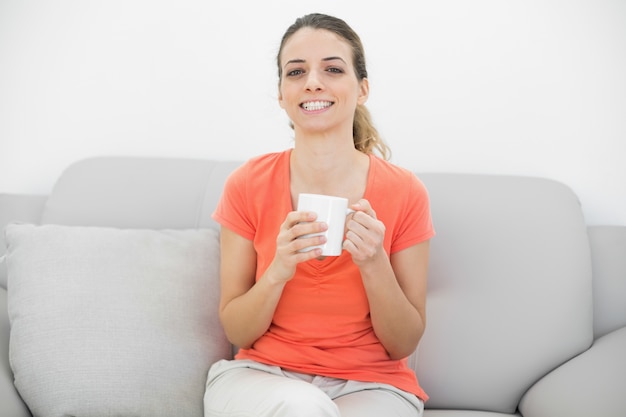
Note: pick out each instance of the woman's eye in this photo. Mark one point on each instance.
(295, 72)
(335, 70)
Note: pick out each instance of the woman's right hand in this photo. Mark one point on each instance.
(291, 240)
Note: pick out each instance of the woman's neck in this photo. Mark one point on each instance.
(328, 167)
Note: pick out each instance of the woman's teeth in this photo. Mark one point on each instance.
(316, 105)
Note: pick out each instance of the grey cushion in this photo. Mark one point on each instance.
(591, 384)
(509, 292)
(17, 208)
(465, 413)
(148, 193)
(608, 247)
(12, 404)
(108, 321)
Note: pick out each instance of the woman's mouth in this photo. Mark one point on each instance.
(316, 105)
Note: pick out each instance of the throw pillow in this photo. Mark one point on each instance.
(111, 321)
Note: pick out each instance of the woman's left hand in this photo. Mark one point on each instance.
(365, 233)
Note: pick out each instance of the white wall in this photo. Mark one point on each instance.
(488, 86)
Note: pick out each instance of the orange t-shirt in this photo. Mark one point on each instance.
(322, 324)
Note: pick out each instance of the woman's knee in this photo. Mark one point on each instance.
(379, 402)
(252, 392)
(300, 399)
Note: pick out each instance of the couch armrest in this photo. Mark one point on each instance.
(12, 404)
(17, 208)
(608, 254)
(591, 384)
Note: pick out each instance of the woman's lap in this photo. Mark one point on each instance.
(243, 388)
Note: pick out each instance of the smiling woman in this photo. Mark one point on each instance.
(351, 59)
(322, 336)
(320, 76)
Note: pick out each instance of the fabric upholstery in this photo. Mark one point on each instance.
(608, 249)
(465, 413)
(13, 208)
(107, 321)
(509, 268)
(154, 193)
(12, 404)
(591, 384)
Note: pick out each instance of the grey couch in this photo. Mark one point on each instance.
(526, 303)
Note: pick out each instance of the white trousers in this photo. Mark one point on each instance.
(244, 388)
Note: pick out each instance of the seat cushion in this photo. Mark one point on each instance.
(591, 384)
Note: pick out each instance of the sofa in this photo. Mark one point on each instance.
(109, 292)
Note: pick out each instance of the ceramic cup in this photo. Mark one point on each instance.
(332, 211)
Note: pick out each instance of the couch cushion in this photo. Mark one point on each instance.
(17, 208)
(133, 192)
(108, 321)
(466, 413)
(591, 384)
(12, 404)
(608, 249)
(509, 295)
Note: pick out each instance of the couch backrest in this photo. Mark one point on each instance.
(509, 292)
(138, 193)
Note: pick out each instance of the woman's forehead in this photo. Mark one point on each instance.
(315, 44)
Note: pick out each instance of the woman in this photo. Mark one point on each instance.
(322, 336)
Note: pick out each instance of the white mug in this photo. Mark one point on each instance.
(332, 211)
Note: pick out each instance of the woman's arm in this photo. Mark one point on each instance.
(247, 307)
(396, 287)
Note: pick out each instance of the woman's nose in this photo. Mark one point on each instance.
(313, 83)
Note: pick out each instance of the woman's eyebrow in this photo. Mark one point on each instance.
(332, 58)
(302, 61)
(295, 61)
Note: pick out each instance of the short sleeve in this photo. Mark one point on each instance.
(232, 208)
(414, 224)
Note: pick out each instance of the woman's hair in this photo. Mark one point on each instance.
(365, 135)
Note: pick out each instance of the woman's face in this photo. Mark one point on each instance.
(319, 89)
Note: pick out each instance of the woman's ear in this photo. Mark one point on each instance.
(280, 99)
(364, 91)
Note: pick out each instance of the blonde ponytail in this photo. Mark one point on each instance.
(366, 137)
